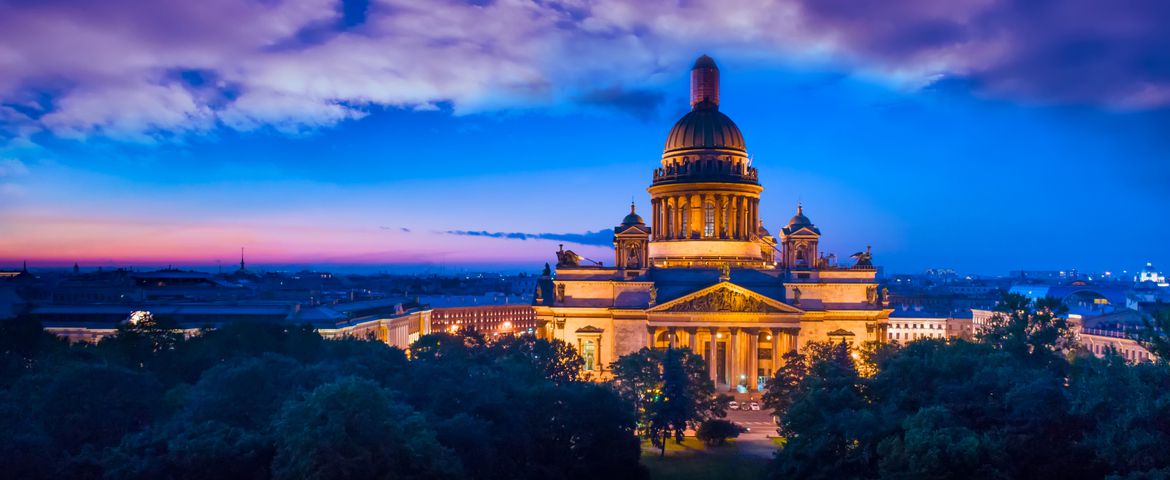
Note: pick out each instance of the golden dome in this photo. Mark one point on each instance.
(704, 129)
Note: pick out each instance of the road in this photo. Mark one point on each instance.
(758, 441)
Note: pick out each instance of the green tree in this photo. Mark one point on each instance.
(183, 450)
(140, 342)
(670, 390)
(25, 346)
(248, 393)
(784, 386)
(827, 420)
(353, 429)
(716, 431)
(553, 359)
(1035, 329)
(1155, 337)
(92, 406)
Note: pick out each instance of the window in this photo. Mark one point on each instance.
(685, 231)
(670, 221)
(590, 351)
(708, 220)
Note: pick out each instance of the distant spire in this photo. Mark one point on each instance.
(241, 259)
(704, 83)
(24, 267)
(76, 268)
(632, 207)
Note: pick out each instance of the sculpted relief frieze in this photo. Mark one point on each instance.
(724, 300)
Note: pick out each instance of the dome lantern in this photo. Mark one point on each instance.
(705, 84)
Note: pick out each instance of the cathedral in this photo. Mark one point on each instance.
(704, 273)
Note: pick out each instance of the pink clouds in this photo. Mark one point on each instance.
(115, 68)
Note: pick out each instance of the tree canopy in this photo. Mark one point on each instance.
(670, 390)
(1024, 402)
(264, 400)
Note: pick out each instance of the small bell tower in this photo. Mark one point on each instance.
(631, 242)
(798, 242)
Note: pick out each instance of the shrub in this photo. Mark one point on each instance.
(717, 431)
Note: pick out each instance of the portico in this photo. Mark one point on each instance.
(703, 273)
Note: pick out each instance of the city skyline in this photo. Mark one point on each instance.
(491, 157)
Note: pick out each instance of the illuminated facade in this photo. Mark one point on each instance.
(704, 273)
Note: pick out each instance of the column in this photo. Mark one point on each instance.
(724, 211)
(692, 342)
(733, 358)
(745, 234)
(655, 220)
(754, 216)
(775, 349)
(712, 361)
(754, 360)
(716, 200)
(674, 218)
(651, 332)
(696, 202)
(672, 334)
(734, 212)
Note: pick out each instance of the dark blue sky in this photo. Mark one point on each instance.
(970, 171)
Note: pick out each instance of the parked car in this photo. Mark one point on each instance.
(755, 406)
(733, 405)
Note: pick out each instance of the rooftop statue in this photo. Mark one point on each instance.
(864, 259)
(567, 258)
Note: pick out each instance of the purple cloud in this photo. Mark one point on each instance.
(141, 71)
(1115, 54)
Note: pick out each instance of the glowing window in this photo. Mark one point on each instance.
(708, 220)
(590, 351)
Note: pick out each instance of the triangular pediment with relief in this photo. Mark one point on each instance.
(725, 297)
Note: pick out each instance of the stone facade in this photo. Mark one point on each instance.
(704, 273)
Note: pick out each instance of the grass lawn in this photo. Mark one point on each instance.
(693, 460)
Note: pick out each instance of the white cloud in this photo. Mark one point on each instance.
(113, 68)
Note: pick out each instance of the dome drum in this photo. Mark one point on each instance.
(706, 170)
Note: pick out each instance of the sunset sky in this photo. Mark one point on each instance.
(979, 135)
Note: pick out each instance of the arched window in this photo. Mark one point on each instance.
(685, 231)
(709, 220)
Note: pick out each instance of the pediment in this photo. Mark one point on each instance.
(633, 230)
(804, 232)
(725, 297)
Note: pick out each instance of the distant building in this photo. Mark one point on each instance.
(396, 323)
(907, 328)
(490, 320)
(1150, 275)
(1117, 331)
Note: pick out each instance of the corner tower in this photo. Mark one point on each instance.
(706, 194)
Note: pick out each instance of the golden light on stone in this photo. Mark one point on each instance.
(700, 272)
